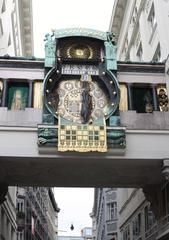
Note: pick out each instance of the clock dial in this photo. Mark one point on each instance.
(70, 104)
(82, 98)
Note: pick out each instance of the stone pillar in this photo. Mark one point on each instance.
(4, 92)
(30, 93)
(130, 97)
(155, 102)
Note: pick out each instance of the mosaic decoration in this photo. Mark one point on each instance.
(81, 138)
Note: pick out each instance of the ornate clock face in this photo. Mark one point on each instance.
(80, 98)
(70, 101)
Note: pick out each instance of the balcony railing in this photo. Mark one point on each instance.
(158, 228)
(151, 233)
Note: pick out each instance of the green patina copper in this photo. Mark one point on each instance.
(114, 121)
(110, 52)
(80, 32)
(106, 37)
(50, 48)
(116, 138)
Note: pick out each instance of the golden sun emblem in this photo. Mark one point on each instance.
(80, 51)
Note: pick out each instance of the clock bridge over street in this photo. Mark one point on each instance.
(101, 123)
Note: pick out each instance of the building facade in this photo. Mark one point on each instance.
(140, 29)
(16, 28)
(8, 224)
(37, 214)
(141, 33)
(105, 214)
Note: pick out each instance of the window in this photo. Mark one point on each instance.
(17, 97)
(152, 19)
(136, 223)
(20, 205)
(112, 211)
(135, 11)
(9, 40)
(3, 7)
(149, 218)
(20, 235)
(126, 233)
(137, 39)
(157, 55)
(140, 53)
(142, 99)
(1, 28)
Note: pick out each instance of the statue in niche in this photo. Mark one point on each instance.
(163, 100)
(17, 101)
(148, 102)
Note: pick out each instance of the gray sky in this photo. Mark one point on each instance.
(56, 14)
(75, 203)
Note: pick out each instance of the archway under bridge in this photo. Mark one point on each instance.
(142, 164)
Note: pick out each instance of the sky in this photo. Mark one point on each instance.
(75, 206)
(75, 203)
(57, 14)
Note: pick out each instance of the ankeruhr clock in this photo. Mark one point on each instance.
(80, 92)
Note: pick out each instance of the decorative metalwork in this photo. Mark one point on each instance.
(80, 51)
(72, 48)
(81, 137)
